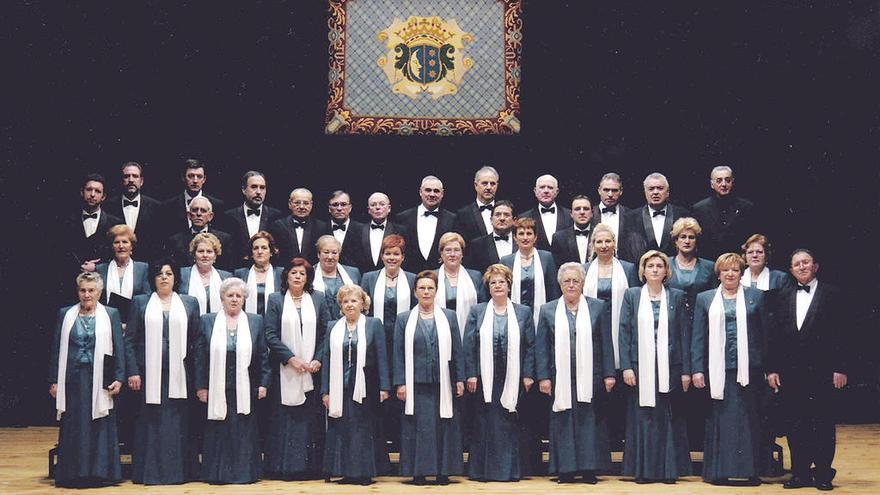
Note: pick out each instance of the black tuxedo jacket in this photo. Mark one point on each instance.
(481, 252)
(149, 227)
(621, 215)
(563, 221)
(408, 222)
(369, 265)
(175, 213)
(726, 225)
(285, 238)
(234, 222)
(177, 247)
(469, 221)
(351, 253)
(81, 248)
(565, 247)
(640, 233)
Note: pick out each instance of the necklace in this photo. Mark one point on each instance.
(686, 264)
(261, 270)
(389, 277)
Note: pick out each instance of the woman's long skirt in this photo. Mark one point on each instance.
(231, 453)
(656, 445)
(354, 448)
(733, 432)
(88, 449)
(430, 445)
(579, 439)
(495, 451)
(295, 443)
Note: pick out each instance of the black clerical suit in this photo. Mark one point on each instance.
(408, 221)
(726, 222)
(563, 221)
(639, 231)
(285, 233)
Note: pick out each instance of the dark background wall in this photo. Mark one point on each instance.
(785, 93)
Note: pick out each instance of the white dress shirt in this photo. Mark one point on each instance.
(337, 233)
(803, 301)
(131, 212)
(583, 242)
(487, 217)
(252, 221)
(299, 231)
(426, 229)
(90, 225)
(502, 247)
(549, 221)
(658, 222)
(612, 220)
(376, 236)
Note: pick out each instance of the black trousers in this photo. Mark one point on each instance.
(812, 433)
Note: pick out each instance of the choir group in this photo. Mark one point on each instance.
(261, 345)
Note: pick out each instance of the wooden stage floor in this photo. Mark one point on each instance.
(23, 461)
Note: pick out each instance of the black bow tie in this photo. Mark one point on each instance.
(501, 237)
(657, 213)
(805, 288)
(377, 226)
(609, 209)
(552, 209)
(90, 215)
(254, 212)
(585, 232)
(197, 231)
(435, 213)
(299, 225)
(339, 226)
(486, 207)
(126, 202)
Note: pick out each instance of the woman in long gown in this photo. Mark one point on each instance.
(330, 274)
(263, 278)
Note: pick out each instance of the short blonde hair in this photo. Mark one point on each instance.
(326, 239)
(498, 269)
(352, 289)
(205, 237)
(686, 223)
(450, 237)
(727, 260)
(760, 239)
(121, 230)
(654, 254)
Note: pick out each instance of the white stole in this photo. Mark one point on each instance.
(177, 335)
(652, 354)
(444, 346)
(318, 283)
(619, 285)
(337, 336)
(403, 295)
(510, 393)
(197, 290)
(217, 367)
(718, 342)
(300, 336)
(763, 281)
(250, 305)
(540, 290)
(102, 402)
(562, 356)
(465, 296)
(112, 282)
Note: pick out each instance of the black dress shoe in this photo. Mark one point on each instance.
(797, 482)
(419, 481)
(825, 486)
(565, 478)
(669, 481)
(753, 481)
(363, 481)
(590, 479)
(442, 480)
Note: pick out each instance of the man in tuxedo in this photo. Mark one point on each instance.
(573, 243)
(727, 220)
(295, 235)
(140, 212)
(254, 215)
(474, 219)
(85, 235)
(347, 231)
(611, 212)
(195, 174)
(379, 208)
(650, 226)
(807, 362)
(424, 225)
(547, 216)
(488, 249)
(201, 213)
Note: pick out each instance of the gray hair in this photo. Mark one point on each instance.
(611, 176)
(430, 177)
(655, 176)
(301, 190)
(203, 199)
(721, 168)
(486, 169)
(233, 283)
(547, 176)
(571, 266)
(90, 277)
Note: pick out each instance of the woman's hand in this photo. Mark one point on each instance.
(629, 378)
(472, 384)
(202, 394)
(459, 389)
(115, 387)
(699, 380)
(527, 383)
(774, 381)
(261, 393)
(53, 390)
(297, 364)
(134, 382)
(610, 382)
(383, 395)
(545, 387)
(685, 382)
(326, 400)
(401, 393)
(315, 366)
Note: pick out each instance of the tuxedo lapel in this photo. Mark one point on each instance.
(649, 228)
(815, 304)
(668, 220)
